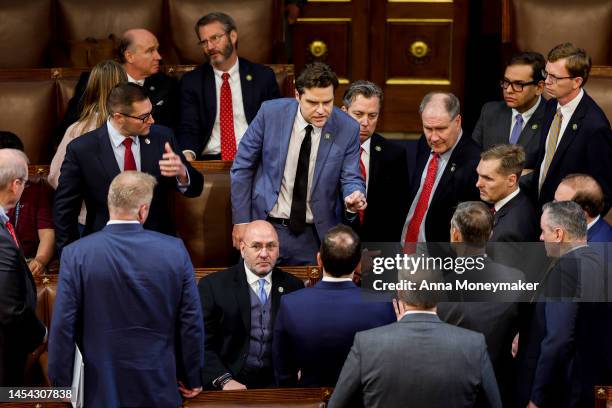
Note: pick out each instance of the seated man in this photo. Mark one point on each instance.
(219, 99)
(239, 305)
(31, 216)
(315, 327)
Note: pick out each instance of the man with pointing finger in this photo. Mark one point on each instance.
(129, 140)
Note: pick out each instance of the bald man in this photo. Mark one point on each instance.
(138, 53)
(586, 191)
(239, 305)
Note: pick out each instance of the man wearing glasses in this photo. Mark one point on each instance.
(518, 119)
(577, 133)
(239, 306)
(129, 140)
(220, 99)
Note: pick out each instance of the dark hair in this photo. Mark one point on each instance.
(578, 63)
(340, 251)
(568, 216)
(228, 22)
(533, 59)
(123, 95)
(9, 140)
(511, 158)
(366, 89)
(589, 194)
(474, 221)
(316, 75)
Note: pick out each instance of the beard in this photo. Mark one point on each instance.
(226, 52)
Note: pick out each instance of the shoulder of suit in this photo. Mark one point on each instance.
(224, 275)
(493, 107)
(254, 67)
(279, 103)
(279, 274)
(89, 139)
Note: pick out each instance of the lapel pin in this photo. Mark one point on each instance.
(453, 166)
(160, 103)
(534, 126)
(151, 88)
(575, 126)
(249, 77)
(327, 135)
(281, 289)
(377, 148)
(147, 141)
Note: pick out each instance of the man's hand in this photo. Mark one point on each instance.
(188, 393)
(237, 234)
(233, 385)
(172, 166)
(36, 267)
(531, 405)
(399, 309)
(515, 344)
(356, 201)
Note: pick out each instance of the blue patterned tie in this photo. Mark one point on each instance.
(517, 129)
(263, 298)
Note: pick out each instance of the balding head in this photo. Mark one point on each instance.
(441, 120)
(13, 176)
(130, 195)
(138, 52)
(259, 247)
(585, 191)
(340, 251)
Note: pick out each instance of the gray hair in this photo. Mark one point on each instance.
(13, 165)
(474, 221)
(568, 216)
(451, 103)
(129, 190)
(366, 89)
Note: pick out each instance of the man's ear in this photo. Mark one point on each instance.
(297, 95)
(319, 262)
(344, 109)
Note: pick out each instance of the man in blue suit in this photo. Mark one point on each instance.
(586, 191)
(315, 327)
(127, 297)
(295, 162)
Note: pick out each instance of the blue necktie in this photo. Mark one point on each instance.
(517, 129)
(261, 293)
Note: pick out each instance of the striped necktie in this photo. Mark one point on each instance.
(551, 145)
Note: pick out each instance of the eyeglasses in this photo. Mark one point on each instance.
(258, 246)
(214, 40)
(517, 86)
(143, 118)
(553, 78)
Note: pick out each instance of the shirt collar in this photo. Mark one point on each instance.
(113, 222)
(135, 81)
(568, 109)
(233, 71)
(334, 279)
(366, 146)
(302, 123)
(253, 278)
(498, 205)
(3, 217)
(116, 137)
(410, 312)
(590, 224)
(528, 113)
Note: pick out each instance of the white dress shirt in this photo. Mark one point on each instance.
(365, 158)
(119, 148)
(253, 281)
(590, 224)
(135, 81)
(526, 116)
(498, 205)
(240, 123)
(282, 208)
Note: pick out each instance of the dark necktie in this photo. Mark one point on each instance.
(297, 218)
(128, 160)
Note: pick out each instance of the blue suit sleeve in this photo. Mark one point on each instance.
(350, 176)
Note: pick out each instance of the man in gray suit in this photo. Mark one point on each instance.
(517, 119)
(419, 361)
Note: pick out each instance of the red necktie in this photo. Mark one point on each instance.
(362, 168)
(419, 212)
(11, 231)
(128, 160)
(226, 118)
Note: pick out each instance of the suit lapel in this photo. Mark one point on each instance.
(209, 91)
(377, 146)
(107, 155)
(454, 161)
(286, 129)
(533, 124)
(572, 129)
(325, 144)
(505, 209)
(423, 154)
(149, 160)
(247, 89)
(243, 297)
(277, 291)
(503, 126)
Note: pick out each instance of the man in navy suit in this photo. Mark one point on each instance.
(560, 348)
(129, 140)
(576, 135)
(127, 297)
(584, 190)
(220, 99)
(296, 161)
(315, 327)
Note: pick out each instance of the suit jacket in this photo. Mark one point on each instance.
(388, 190)
(87, 171)
(160, 88)
(601, 231)
(227, 316)
(135, 318)
(20, 330)
(458, 183)
(585, 147)
(257, 172)
(560, 348)
(407, 363)
(493, 127)
(199, 100)
(314, 331)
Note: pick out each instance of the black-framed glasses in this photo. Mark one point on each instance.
(214, 40)
(554, 78)
(143, 118)
(517, 86)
